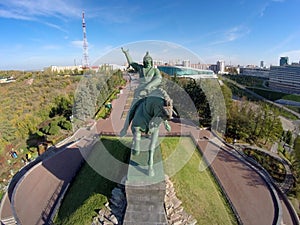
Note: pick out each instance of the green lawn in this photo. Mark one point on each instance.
(90, 191)
(198, 191)
(294, 97)
(275, 95)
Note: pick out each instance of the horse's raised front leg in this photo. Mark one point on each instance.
(154, 137)
(135, 148)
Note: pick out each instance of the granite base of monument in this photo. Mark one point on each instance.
(145, 194)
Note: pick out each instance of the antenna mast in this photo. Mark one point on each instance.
(85, 45)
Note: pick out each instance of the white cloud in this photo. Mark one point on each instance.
(64, 10)
(231, 34)
(266, 5)
(285, 42)
(46, 11)
(12, 15)
(42, 11)
(31, 9)
(263, 9)
(51, 47)
(55, 26)
(77, 44)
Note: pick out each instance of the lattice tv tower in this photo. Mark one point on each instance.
(85, 45)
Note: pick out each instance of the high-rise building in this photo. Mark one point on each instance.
(262, 64)
(214, 68)
(255, 72)
(186, 63)
(283, 61)
(221, 66)
(285, 78)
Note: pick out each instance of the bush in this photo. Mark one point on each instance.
(45, 129)
(53, 128)
(65, 124)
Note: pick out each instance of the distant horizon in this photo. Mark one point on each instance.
(123, 64)
(138, 58)
(240, 32)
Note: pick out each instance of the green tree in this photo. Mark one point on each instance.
(194, 90)
(65, 124)
(53, 128)
(63, 107)
(288, 137)
(296, 165)
(253, 122)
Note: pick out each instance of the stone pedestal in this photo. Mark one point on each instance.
(145, 194)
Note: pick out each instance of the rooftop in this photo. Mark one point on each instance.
(181, 71)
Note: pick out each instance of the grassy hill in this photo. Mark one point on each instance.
(24, 105)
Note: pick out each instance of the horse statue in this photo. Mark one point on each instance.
(145, 116)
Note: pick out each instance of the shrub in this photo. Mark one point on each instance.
(65, 124)
(54, 128)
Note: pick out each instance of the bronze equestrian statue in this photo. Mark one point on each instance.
(151, 106)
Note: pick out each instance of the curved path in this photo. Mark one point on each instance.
(252, 197)
(35, 195)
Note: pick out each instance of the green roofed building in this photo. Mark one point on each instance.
(188, 72)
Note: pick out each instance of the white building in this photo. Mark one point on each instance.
(221, 66)
(64, 68)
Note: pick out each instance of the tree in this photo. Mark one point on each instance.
(63, 107)
(194, 90)
(53, 128)
(296, 165)
(253, 123)
(65, 124)
(288, 137)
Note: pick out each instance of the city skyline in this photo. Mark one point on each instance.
(240, 32)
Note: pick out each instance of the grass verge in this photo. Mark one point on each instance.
(198, 191)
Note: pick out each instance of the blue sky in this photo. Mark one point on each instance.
(39, 33)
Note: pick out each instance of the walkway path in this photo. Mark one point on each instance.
(286, 185)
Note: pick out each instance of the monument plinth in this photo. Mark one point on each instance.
(145, 194)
